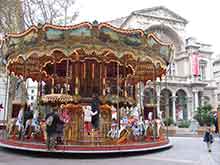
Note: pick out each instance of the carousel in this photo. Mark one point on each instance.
(89, 80)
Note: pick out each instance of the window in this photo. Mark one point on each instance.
(32, 91)
(202, 69)
(32, 97)
(218, 97)
(173, 69)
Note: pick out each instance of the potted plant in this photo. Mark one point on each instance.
(170, 124)
(184, 124)
(204, 117)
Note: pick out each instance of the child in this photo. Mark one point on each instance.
(88, 118)
(208, 138)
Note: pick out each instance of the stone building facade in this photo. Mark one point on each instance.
(216, 71)
(189, 82)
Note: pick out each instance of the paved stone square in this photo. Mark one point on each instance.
(185, 151)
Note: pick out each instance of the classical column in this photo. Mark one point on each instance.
(196, 100)
(167, 106)
(189, 108)
(174, 108)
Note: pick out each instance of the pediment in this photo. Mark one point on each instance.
(161, 12)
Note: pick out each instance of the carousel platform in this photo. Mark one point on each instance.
(91, 149)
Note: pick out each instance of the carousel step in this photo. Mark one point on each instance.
(90, 141)
(92, 137)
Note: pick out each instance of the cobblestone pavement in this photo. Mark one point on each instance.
(186, 151)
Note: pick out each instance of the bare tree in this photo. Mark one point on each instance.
(49, 11)
(16, 15)
(11, 16)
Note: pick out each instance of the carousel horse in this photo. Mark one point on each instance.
(150, 123)
(159, 124)
(11, 126)
(15, 125)
(135, 112)
(146, 124)
(32, 126)
(158, 127)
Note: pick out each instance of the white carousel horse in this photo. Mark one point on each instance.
(135, 112)
(19, 122)
(147, 125)
(159, 124)
(32, 126)
(158, 127)
(35, 122)
(114, 112)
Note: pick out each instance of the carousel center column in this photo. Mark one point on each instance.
(103, 78)
(77, 74)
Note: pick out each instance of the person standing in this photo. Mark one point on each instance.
(95, 108)
(88, 118)
(208, 138)
(52, 119)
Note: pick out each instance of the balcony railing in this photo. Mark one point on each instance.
(176, 78)
(190, 80)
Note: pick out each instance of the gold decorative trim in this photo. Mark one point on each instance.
(21, 34)
(68, 27)
(120, 30)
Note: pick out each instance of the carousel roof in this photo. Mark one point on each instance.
(37, 46)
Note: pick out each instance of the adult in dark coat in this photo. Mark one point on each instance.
(51, 128)
(95, 108)
(208, 138)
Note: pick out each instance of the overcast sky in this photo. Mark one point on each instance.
(203, 15)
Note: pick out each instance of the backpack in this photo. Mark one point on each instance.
(49, 121)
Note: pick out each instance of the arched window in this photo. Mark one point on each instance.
(202, 69)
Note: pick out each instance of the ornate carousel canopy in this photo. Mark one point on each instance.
(34, 52)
